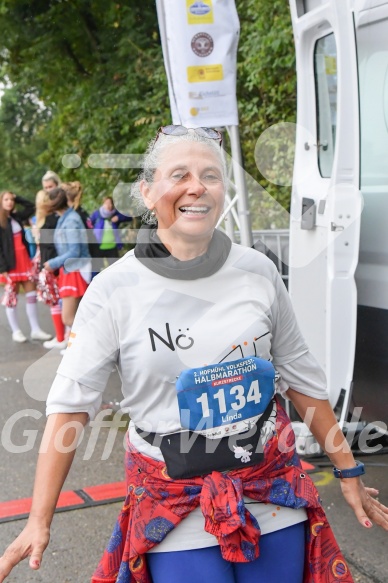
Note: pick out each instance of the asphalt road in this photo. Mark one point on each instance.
(79, 536)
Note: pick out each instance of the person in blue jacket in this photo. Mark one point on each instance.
(106, 221)
(73, 258)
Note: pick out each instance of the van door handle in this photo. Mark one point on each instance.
(335, 227)
(308, 214)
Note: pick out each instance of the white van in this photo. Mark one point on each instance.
(338, 275)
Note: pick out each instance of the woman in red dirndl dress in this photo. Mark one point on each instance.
(16, 267)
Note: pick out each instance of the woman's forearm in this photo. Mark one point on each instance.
(73, 252)
(320, 418)
(28, 207)
(56, 454)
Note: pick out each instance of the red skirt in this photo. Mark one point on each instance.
(23, 270)
(71, 284)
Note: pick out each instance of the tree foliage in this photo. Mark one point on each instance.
(96, 68)
(266, 82)
(87, 76)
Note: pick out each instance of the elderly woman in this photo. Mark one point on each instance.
(196, 326)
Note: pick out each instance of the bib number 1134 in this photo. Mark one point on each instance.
(236, 398)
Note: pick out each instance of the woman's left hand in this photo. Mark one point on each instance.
(364, 504)
(115, 219)
(47, 267)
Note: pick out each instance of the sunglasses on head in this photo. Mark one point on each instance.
(173, 130)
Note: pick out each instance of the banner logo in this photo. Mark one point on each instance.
(206, 73)
(199, 12)
(199, 8)
(202, 44)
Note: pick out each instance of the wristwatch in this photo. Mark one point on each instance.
(358, 470)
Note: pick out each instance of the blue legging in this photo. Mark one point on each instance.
(281, 559)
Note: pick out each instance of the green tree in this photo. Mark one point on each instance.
(97, 69)
(266, 81)
(87, 76)
(21, 120)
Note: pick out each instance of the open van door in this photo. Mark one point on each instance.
(371, 363)
(326, 199)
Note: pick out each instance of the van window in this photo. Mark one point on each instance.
(373, 80)
(325, 73)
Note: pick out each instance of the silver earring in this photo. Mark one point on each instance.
(153, 214)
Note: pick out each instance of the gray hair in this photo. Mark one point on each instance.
(151, 162)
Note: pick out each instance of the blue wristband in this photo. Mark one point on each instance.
(358, 470)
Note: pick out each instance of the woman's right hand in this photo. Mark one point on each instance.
(54, 461)
(31, 542)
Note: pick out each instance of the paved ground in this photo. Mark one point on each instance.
(79, 536)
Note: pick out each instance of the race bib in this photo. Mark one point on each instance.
(227, 398)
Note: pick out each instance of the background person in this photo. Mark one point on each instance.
(72, 254)
(50, 180)
(44, 228)
(16, 264)
(106, 221)
(29, 234)
(74, 193)
(221, 301)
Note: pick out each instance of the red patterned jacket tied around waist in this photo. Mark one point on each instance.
(155, 504)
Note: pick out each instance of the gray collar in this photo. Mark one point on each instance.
(151, 252)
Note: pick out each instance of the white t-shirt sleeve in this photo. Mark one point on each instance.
(90, 357)
(303, 375)
(93, 344)
(68, 396)
(288, 343)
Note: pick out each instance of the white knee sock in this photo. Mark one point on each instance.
(12, 318)
(31, 311)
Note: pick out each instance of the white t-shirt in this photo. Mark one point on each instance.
(16, 228)
(153, 327)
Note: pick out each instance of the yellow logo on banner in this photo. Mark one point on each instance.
(205, 73)
(199, 12)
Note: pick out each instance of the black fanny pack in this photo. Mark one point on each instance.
(188, 454)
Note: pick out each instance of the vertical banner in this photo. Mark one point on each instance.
(199, 41)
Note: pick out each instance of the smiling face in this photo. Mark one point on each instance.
(8, 201)
(187, 194)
